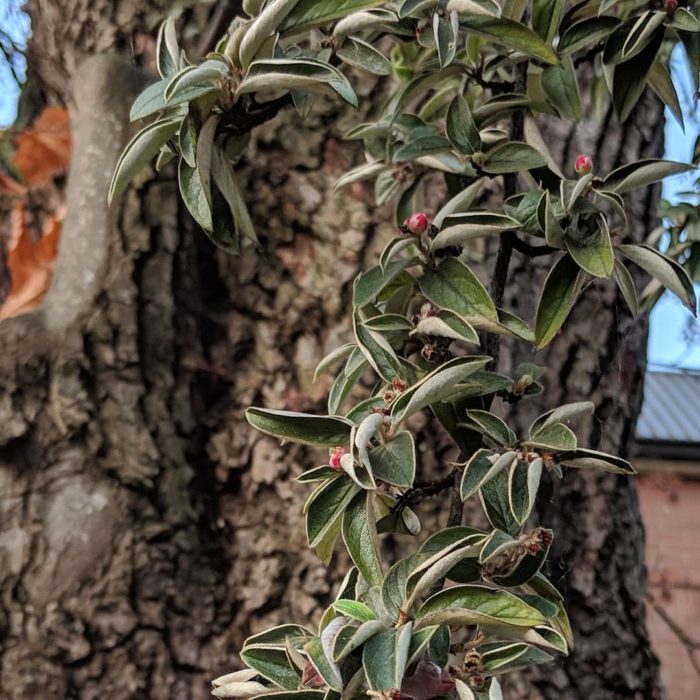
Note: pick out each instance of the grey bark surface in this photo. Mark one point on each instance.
(145, 530)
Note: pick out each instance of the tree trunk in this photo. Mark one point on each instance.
(146, 530)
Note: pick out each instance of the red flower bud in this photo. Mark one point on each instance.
(416, 223)
(311, 677)
(670, 5)
(336, 454)
(584, 164)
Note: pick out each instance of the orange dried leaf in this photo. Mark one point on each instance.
(44, 149)
(30, 264)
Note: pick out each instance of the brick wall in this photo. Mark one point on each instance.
(670, 504)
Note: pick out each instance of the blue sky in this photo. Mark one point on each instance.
(669, 318)
(15, 24)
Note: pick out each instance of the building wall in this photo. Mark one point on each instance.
(670, 504)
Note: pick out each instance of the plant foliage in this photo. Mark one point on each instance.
(467, 79)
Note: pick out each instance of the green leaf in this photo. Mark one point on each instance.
(553, 436)
(326, 505)
(140, 151)
(642, 173)
(388, 323)
(523, 483)
(304, 428)
(314, 13)
(454, 286)
(333, 358)
(561, 288)
(510, 324)
(482, 467)
(591, 459)
(305, 694)
(196, 81)
(276, 637)
(685, 20)
(460, 228)
(322, 473)
(361, 54)
(426, 576)
(561, 88)
(435, 386)
(445, 31)
(306, 74)
(461, 128)
(394, 585)
(447, 324)
(355, 637)
(586, 32)
(667, 271)
(545, 18)
(150, 101)
(511, 34)
(370, 284)
(509, 657)
(197, 199)
(415, 7)
(384, 658)
(661, 83)
(594, 253)
(366, 171)
(227, 183)
(319, 651)
(512, 157)
(494, 499)
(466, 571)
(491, 426)
(360, 536)
(265, 24)
(272, 664)
(630, 77)
(394, 462)
(562, 414)
(421, 147)
(477, 605)
(346, 379)
(378, 352)
(167, 49)
(356, 610)
(626, 286)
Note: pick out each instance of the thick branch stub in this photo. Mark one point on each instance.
(103, 87)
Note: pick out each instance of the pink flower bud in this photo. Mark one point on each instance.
(336, 454)
(670, 5)
(416, 223)
(584, 165)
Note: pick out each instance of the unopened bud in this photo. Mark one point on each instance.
(584, 164)
(670, 5)
(336, 454)
(311, 678)
(416, 223)
(398, 384)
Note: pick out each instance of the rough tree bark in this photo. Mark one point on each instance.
(144, 529)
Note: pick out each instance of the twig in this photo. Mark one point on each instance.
(454, 517)
(507, 241)
(426, 489)
(532, 251)
(690, 645)
(244, 118)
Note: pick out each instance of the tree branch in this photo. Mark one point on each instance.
(691, 646)
(244, 118)
(532, 251)
(507, 241)
(426, 489)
